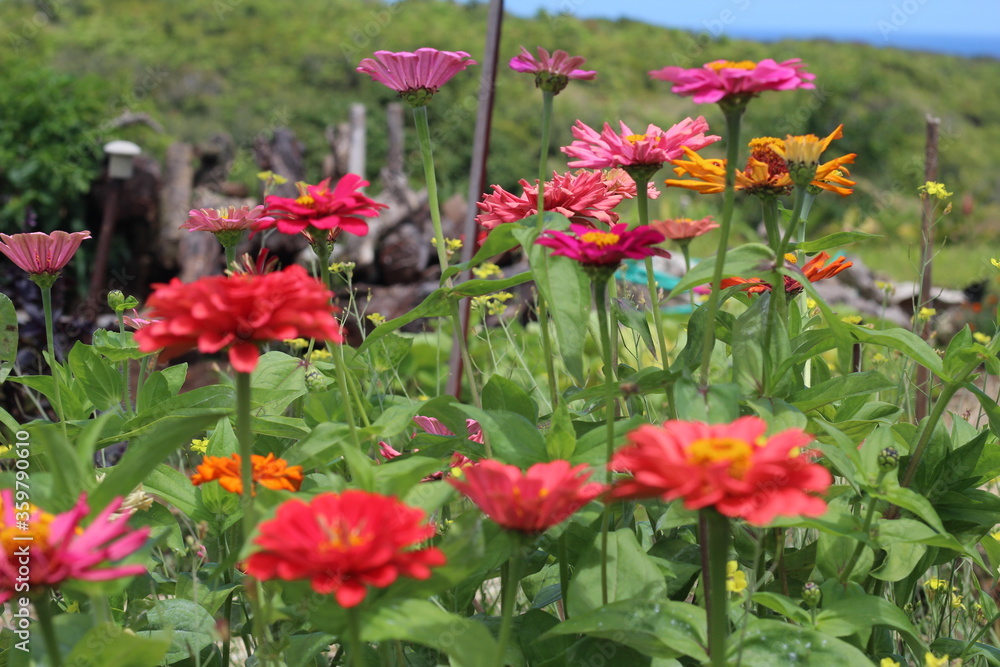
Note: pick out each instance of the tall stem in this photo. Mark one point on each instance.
(686, 251)
(715, 545)
(126, 368)
(51, 342)
(733, 115)
(601, 300)
(642, 199)
(244, 437)
(44, 611)
(509, 602)
(354, 639)
(543, 313)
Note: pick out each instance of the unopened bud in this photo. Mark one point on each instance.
(811, 595)
(116, 300)
(314, 379)
(888, 459)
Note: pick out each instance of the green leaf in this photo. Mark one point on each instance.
(434, 305)
(912, 501)
(784, 605)
(503, 394)
(956, 647)
(187, 625)
(277, 380)
(102, 384)
(560, 440)
(175, 487)
(214, 400)
(777, 643)
(8, 336)
(746, 261)
(633, 318)
(839, 388)
(514, 439)
(117, 346)
(303, 649)
(631, 574)
(661, 629)
(835, 240)
(500, 239)
(107, 644)
(854, 613)
(466, 642)
(907, 342)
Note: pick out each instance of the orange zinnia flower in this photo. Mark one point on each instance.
(766, 171)
(815, 269)
(268, 471)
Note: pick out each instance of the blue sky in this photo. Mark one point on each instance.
(876, 21)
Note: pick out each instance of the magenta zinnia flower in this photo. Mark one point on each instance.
(225, 219)
(628, 149)
(415, 76)
(552, 72)
(723, 79)
(582, 197)
(527, 502)
(60, 549)
(595, 248)
(38, 253)
(319, 208)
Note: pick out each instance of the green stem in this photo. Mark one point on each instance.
(509, 602)
(769, 209)
(51, 342)
(686, 251)
(245, 438)
(340, 369)
(550, 366)
(642, 199)
(44, 611)
(601, 300)
(543, 313)
(845, 574)
(733, 115)
(564, 572)
(230, 256)
(126, 369)
(354, 639)
(982, 631)
(463, 348)
(715, 548)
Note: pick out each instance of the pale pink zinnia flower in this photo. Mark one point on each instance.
(683, 229)
(137, 322)
(582, 197)
(415, 76)
(60, 549)
(723, 79)
(620, 183)
(39, 253)
(627, 149)
(224, 219)
(552, 72)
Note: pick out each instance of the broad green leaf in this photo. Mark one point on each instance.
(500, 239)
(746, 260)
(8, 336)
(187, 624)
(631, 574)
(208, 597)
(107, 644)
(835, 240)
(912, 501)
(784, 605)
(175, 487)
(907, 342)
(212, 400)
(503, 394)
(102, 383)
(661, 629)
(560, 440)
(956, 647)
(513, 439)
(303, 649)
(117, 346)
(434, 304)
(775, 643)
(627, 314)
(719, 405)
(397, 477)
(839, 388)
(277, 380)
(852, 614)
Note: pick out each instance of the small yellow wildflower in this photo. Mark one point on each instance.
(73, 608)
(996, 535)
(376, 318)
(995, 262)
(320, 355)
(345, 268)
(451, 246)
(493, 304)
(936, 584)
(980, 613)
(851, 319)
(200, 446)
(956, 601)
(272, 177)
(736, 579)
(888, 662)
(487, 270)
(885, 286)
(926, 313)
(982, 338)
(5, 448)
(931, 661)
(934, 189)
(792, 257)
(879, 358)
(810, 303)
(297, 343)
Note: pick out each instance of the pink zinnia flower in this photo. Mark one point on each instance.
(552, 72)
(582, 196)
(683, 229)
(225, 219)
(38, 253)
(595, 248)
(319, 208)
(527, 502)
(731, 467)
(415, 76)
(135, 321)
(435, 427)
(628, 149)
(723, 79)
(61, 549)
(618, 182)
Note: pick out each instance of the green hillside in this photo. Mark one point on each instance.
(246, 66)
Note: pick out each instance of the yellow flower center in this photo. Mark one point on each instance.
(306, 200)
(729, 64)
(707, 451)
(635, 138)
(33, 532)
(341, 537)
(601, 239)
(770, 151)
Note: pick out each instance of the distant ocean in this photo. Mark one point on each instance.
(958, 45)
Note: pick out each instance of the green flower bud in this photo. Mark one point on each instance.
(314, 379)
(811, 595)
(116, 300)
(888, 459)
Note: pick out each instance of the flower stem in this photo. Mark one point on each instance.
(845, 574)
(354, 639)
(230, 256)
(601, 300)
(509, 602)
(51, 342)
(642, 199)
(44, 611)
(686, 251)
(715, 545)
(543, 313)
(245, 438)
(733, 115)
(126, 369)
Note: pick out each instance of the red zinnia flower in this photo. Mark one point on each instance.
(813, 270)
(318, 207)
(530, 502)
(344, 543)
(268, 471)
(238, 312)
(60, 548)
(731, 467)
(683, 229)
(582, 196)
(628, 149)
(552, 72)
(39, 253)
(415, 76)
(596, 248)
(722, 79)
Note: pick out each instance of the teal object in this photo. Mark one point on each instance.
(634, 272)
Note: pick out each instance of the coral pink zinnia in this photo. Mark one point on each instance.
(60, 549)
(596, 248)
(239, 312)
(552, 72)
(415, 76)
(228, 219)
(344, 543)
(723, 79)
(527, 502)
(593, 150)
(582, 196)
(319, 208)
(731, 467)
(40, 254)
(683, 229)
